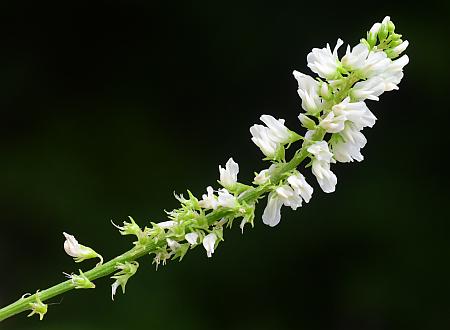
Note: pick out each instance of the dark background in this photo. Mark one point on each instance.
(108, 107)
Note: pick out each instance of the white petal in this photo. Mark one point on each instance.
(272, 212)
(208, 243)
(228, 175)
(71, 246)
(321, 151)
(326, 179)
(166, 224)
(191, 238)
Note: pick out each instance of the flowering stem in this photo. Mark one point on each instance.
(335, 106)
(23, 304)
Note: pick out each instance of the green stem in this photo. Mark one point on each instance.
(251, 195)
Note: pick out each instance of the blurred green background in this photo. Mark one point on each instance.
(107, 107)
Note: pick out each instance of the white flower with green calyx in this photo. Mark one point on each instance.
(356, 112)
(177, 250)
(308, 90)
(394, 73)
(209, 243)
(209, 200)
(228, 175)
(272, 213)
(321, 166)
(298, 182)
(290, 194)
(77, 251)
(375, 64)
(227, 200)
(173, 245)
(327, 180)
(80, 281)
(125, 271)
(264, 176)
(324, 62)
(192, 238)
(260, 136)
(397, 50)
(38, 307)
(283, 195)
(332, 123)
(321, 151)
(271, 139)
(356, 58)
(369, 89)
(379, 32)
(347, 145)
(307, 122)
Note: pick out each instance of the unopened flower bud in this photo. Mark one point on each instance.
(77, 251)
(307, 122)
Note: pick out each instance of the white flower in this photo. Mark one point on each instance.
(376, 63)
(308, 90)
(77, 251)
(368, 89)
(321, 166)
(394, 73)
(226, 199)
(167, 224)
(347, 147)
(301, 187)
(355, 59)
(277, 131)
(228, 175)
(285, 195)
(209, 201)
(272, 213)
(173, 245)
(260, 137)
(309, 134)
(373, 33)
(191, 238)
(324, 62)
(326, 179)
(208, 243)
(332, 123)
(356, 112)
(396, 51)
(289, 196)
(375, 28)
(263, 176)
(321, 151)
(269, 138)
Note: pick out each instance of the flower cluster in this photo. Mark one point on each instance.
(335, 114)
(334, 104)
